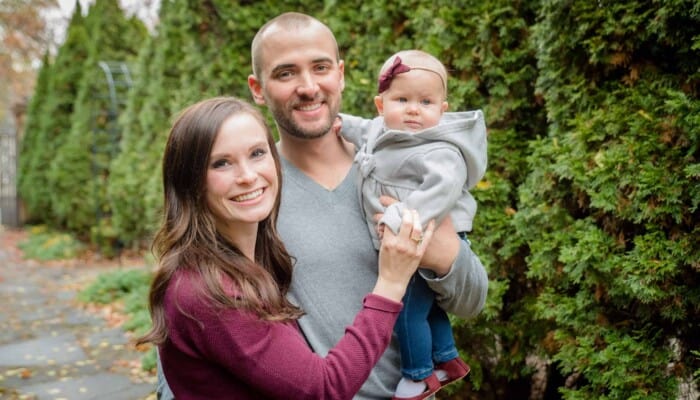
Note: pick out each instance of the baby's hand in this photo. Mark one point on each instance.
(337, 126)
(380, 231)
(385, 201)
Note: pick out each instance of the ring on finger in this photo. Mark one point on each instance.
(418, 240)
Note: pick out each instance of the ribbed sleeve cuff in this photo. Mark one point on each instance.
(381, 303)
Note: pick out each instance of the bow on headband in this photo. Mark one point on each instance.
(388, 75)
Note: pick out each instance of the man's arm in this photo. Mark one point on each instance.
(462, 291)
(453, 271)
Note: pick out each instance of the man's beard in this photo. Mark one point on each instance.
(286, 123)
(289, 126)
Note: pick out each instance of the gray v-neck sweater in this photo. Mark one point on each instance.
(336, 266)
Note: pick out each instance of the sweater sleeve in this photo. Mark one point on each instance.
(273, 357)
(356, 130)
(463, 290)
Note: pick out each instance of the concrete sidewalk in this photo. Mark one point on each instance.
(51, 347)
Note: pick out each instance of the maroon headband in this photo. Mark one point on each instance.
(388, 75)
(399, 68)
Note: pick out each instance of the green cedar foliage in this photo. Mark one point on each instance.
(53, 123)
(78, 171)
(130, 170)
(165, 68)
(610, 208)
(29, 166)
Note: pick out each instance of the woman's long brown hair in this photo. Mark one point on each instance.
(188, 239)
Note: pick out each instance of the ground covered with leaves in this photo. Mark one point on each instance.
(67, 332)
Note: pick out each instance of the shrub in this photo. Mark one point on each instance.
(45, 244)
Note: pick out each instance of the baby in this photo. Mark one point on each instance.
(428, 160)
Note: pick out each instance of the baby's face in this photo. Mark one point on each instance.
(414, 101)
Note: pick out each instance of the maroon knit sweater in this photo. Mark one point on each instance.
(214, 353)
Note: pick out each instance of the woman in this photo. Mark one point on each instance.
(223, 326)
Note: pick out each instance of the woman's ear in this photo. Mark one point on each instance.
(379, 103)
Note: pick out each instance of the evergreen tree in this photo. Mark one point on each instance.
(52, 122)
(80, 171)
(31, 141)
(133, 185)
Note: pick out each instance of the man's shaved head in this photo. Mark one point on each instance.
(284, 22)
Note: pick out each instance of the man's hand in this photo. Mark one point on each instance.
(443, 249)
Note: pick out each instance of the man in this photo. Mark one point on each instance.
(298, 75)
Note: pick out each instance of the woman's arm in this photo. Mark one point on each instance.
(272, 356)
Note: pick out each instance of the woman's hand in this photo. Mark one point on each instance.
(400, 255)
(439, 256)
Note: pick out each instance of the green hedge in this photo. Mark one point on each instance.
(610, 208)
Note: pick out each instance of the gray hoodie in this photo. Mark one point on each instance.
(431, 170)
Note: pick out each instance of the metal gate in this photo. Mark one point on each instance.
(9, 204)
(106, 132)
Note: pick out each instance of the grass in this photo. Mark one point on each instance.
(45, 244)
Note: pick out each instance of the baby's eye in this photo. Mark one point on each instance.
(403, 100)
(426, 102)
(257, 153)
